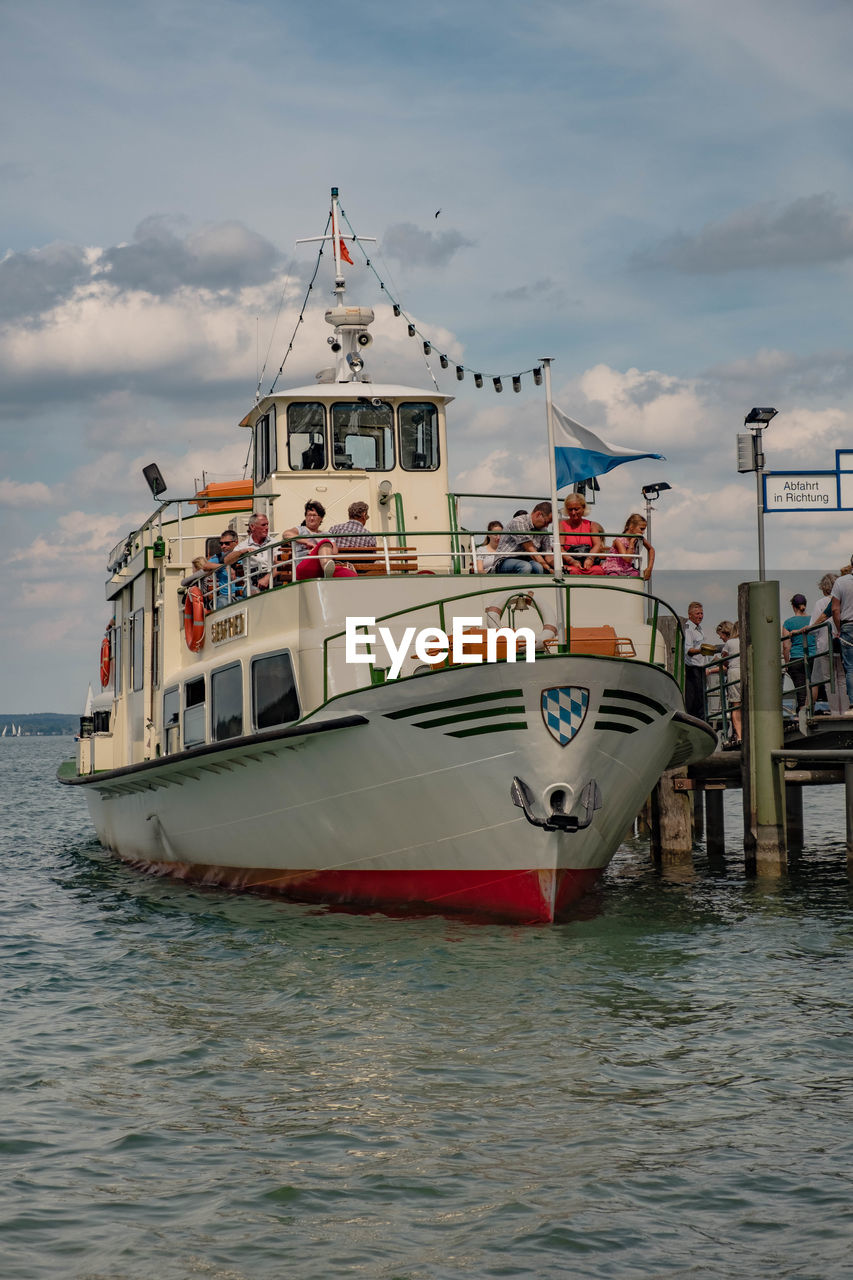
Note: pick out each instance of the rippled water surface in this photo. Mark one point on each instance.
(199, 1085)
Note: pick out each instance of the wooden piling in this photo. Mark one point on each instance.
(794, 816)
(761, 681)
(715, 841)
(672, 827)
(848, 807)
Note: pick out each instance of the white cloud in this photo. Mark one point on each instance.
(14, 493)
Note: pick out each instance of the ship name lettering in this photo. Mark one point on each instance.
(228, 628)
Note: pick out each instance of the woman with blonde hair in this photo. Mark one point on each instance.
(580, 538)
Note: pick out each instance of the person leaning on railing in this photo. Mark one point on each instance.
(260, 543)
(226, 588)
(525, 534)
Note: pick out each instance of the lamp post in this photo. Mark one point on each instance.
(757, 420)
(651, 493)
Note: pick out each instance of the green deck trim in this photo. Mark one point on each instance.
(426, 707)
(470, 715)
(487, 728)
(635, 697)
(617, 728)
(626, 711)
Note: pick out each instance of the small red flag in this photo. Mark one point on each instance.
(345, 252)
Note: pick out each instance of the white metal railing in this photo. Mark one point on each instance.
(227, 584)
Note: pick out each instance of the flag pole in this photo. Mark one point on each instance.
(552, 471)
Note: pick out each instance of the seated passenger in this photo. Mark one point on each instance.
(487, 551)
(623, 560)
(258, 566)
(320, 563)
(223, 576)
(315, 514)
(580, 538)
(355, 525)
(525, 534)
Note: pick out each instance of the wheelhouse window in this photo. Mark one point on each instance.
(306, 437)
(418, 437)
(171, 721)
(194, 712)
(265, 450)
(226, 702)
(274, 697)
(363, 436)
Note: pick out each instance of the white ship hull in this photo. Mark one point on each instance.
(400, 795)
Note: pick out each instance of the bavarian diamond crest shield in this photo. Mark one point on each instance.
(564, 711)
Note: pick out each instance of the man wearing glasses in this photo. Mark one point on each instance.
(217, 565)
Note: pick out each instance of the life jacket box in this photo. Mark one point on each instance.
(222, 490)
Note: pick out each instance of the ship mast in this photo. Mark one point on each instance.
(350, 323)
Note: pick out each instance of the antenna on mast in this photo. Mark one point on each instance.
(350, 323)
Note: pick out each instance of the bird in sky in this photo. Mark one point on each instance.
(437, 212)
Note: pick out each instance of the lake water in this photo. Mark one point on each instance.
(199, 1085)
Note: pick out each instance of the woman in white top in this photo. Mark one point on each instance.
(488, 549)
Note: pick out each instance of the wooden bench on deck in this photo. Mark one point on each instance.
(600, 640)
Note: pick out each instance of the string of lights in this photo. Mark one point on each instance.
(497, 379)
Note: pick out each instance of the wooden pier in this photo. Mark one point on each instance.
(771, 768)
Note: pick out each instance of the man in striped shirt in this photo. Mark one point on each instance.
(351, 534)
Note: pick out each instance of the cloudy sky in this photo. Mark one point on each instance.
(657, 193)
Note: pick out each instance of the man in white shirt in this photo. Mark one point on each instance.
(257, 567)
(694, 662)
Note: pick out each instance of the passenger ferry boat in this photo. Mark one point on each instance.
(233, 742)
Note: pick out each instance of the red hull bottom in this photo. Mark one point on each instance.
(522, 897)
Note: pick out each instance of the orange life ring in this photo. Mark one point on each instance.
(194, 619)
(106, 659)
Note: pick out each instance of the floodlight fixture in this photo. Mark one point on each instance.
(652, 491)
(759, 417)
(154, 478)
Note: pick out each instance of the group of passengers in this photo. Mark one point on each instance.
(524, 546)
(263, 557)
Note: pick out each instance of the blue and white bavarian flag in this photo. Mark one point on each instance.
(581, 454)
(564, 711)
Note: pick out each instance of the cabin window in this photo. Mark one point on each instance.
(137, 651)
(171, 721)
(306, 437)
(265, 450)
(418, 437)
(226, 702)
(194, 712)
(101, 721)
(363, 436)
(274, 697)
